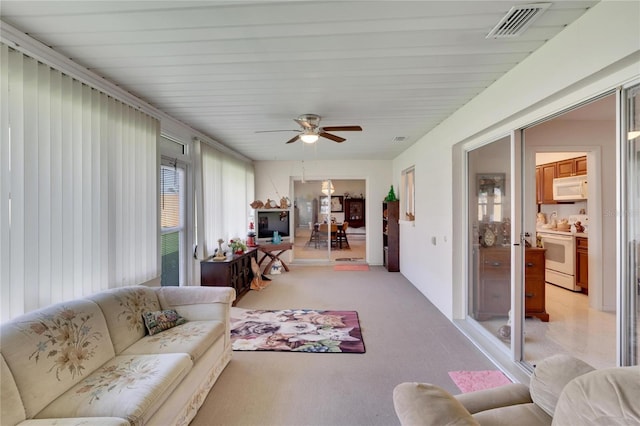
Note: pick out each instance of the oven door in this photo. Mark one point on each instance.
(560, 254)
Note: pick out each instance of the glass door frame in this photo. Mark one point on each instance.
(518, 238)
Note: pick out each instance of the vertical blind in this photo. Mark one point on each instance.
(227, 190)
(78, 184)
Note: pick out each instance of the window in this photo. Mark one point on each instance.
(408, 195)
(227, 190)
(78, 188)
(172, 222)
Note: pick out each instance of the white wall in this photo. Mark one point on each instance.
(596, 53)
(274, 179)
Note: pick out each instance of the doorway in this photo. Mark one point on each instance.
(329, 220)
(580, 289)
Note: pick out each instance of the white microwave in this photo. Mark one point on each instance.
(570, 188)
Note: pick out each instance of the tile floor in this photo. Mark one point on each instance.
(573, 328)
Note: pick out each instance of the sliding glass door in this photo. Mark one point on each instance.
(489, 238)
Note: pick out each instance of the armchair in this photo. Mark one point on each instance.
(563, 391)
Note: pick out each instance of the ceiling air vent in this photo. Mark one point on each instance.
(517, 20)
(399, 138)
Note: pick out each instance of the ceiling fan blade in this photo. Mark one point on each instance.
(303, 123)
(293, 139)
(272, 131)
(332, 137)
(342, 129)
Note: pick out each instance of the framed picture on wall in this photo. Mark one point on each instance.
(491, 184)
(337, 204)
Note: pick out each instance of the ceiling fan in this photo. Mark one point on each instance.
(310, 130)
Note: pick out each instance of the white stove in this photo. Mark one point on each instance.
(560, 262)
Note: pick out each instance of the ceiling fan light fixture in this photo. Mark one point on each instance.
(309, 137)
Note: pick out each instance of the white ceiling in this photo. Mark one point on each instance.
(228, 69)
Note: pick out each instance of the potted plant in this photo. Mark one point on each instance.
(237, 246)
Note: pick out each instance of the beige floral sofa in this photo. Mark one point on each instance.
(92, 361)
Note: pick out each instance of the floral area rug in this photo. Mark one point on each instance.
(296, 330)
(469, 381)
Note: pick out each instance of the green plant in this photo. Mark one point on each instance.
(391, 196)
(237, 245)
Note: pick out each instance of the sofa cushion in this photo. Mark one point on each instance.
(604, 397)
(11, 408)
(193, 337)
(123, 308)
(501, 396)
(129, 386)
(158, 321)
(519, 414)
(551, 376)
(52, 349)
(78, 421)
(427, 404)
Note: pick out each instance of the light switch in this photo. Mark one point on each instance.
(433, 240)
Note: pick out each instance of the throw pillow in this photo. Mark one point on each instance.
(158, 321)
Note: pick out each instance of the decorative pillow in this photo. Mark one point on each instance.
(158, 321)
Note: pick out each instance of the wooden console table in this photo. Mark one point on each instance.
(273, 252)
(235, 272)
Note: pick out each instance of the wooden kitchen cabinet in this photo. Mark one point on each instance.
(548, 172)
(235, 273)
(354, 212)
(493, 288)
(572, 167)
(582, 264)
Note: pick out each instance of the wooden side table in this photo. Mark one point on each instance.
(273, 252)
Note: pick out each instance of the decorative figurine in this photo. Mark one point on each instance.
(219, 253)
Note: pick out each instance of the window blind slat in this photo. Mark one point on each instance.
(43, 192)
(31, 228)
(16, 294)
(5, 167)
(56, 216)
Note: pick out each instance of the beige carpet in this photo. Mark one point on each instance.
(407, 339)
